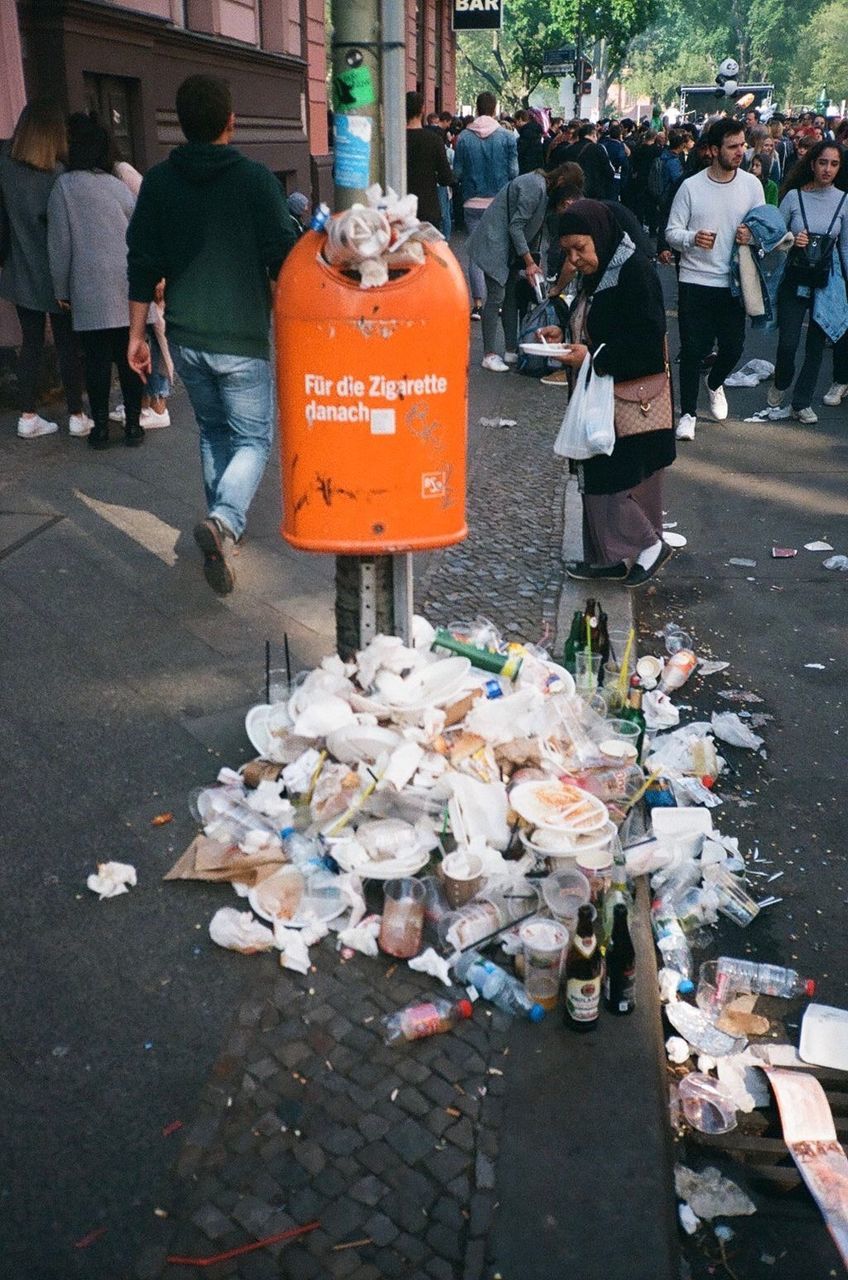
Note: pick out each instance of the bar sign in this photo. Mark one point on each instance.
(477, 15)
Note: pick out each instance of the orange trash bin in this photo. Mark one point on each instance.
(372, 391)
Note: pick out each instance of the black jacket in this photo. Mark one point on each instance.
(630, 320)
(531, 149)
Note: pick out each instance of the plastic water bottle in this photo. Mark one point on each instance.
(320, 217)
(302, 851)
(671, 940)
(761, 979)
(424, 1018)
(497, 986)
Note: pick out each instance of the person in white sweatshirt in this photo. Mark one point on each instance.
(704, 223)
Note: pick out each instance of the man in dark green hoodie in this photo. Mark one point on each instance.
(216, 227)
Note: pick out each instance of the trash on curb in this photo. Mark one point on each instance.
(836, 562)
(710, 1195)
(112, 879)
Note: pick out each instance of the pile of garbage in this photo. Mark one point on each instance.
(382, 235)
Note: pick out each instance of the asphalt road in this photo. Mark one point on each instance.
(782, 624)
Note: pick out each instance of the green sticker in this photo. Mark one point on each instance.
(352, 89)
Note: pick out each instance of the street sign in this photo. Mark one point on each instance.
(559, 62)
(476, 15)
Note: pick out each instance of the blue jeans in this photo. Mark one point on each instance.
(158, 385)
(445, 211)
(475, 273)
(233, 401)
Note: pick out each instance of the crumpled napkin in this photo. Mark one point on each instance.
(660, 711)
(112, 879)
(239, 931)
(298, 775)
(262, 842)
(266, 799)
(361, 937)
(431, 962)
(294, 944)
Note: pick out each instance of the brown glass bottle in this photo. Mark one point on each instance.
(583, 966)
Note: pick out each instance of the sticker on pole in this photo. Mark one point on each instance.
(353, 88)
(434, 484)
(352, 164)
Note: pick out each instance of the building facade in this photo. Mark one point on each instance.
(125, 60)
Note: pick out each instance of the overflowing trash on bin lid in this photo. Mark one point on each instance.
(382, 235)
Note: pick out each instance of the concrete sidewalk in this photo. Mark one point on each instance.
(126, 683)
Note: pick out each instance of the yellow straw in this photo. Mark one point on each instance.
(357, 804)
(316, 773)
(637, 796)
(588, 636)
(622, 679)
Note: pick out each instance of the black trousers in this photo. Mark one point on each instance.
(791, 311)
(706, 315)
(103, 348)
(68, 352)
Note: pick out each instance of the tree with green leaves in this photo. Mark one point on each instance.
(511, 63)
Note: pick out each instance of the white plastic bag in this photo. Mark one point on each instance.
(588, 428)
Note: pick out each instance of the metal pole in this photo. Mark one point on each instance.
(578, 64)
(373, 593)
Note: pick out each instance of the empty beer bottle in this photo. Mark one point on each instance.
(576, 640)
(583, 966)
(620, 977)
(634, 713)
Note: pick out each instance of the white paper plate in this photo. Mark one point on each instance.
(313, 907)
(545, 348)
(674, 539)
(429, 686)
(388, 869)
(550, 803)
(265, 743)
(354, 742)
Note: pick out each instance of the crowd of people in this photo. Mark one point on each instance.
(575, 215)
(750, 213)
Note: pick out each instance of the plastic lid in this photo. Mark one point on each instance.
(464, 1008)
(536, 1014)
(686, 986)
(286, 831)
(810, 986)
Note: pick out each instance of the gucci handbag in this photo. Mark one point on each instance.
(644, 404)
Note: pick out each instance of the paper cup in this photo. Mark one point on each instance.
(596, 865)
(649, 670)
(543, 944)
(463, 877)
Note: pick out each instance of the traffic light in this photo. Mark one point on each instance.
(582, 88)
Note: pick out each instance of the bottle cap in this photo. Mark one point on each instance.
(810, 986)
(464, 1008)
(685, 987)
(286, 831)
(536, 1014)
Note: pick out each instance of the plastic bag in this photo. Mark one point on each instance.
(727, 726)
(588, 427)
(239, 931)
(540, 317)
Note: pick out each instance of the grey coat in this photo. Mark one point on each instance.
(87, 218)
(512, 225)
(24, 192)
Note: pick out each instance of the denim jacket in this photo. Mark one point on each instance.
(483, 166)
(769, 248)
(830, 304)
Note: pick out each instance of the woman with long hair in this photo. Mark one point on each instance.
(812, 207)
(87, 217)
(618, 319)
(28, 172)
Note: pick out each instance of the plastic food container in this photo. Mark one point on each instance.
(707, 1104)
(564, 892)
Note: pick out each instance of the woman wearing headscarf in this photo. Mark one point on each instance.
(619, 307)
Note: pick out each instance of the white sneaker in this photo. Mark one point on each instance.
(29, 428)
(494, 364)
(118, 414)
(836, 394)
(510, 357)
(774, 398)
(718, 402)
(79, 424)
(807, 416)
(150, 419)
(685, 427)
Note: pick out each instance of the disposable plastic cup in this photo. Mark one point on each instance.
(586, 668)
(596, 865)
(565, 891)
(543, 944)
(403, 918)
(463, 877)
(735, 902)
(707, 1104)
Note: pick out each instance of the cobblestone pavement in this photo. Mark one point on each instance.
(308, 1115)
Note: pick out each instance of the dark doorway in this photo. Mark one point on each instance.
(112, 99)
